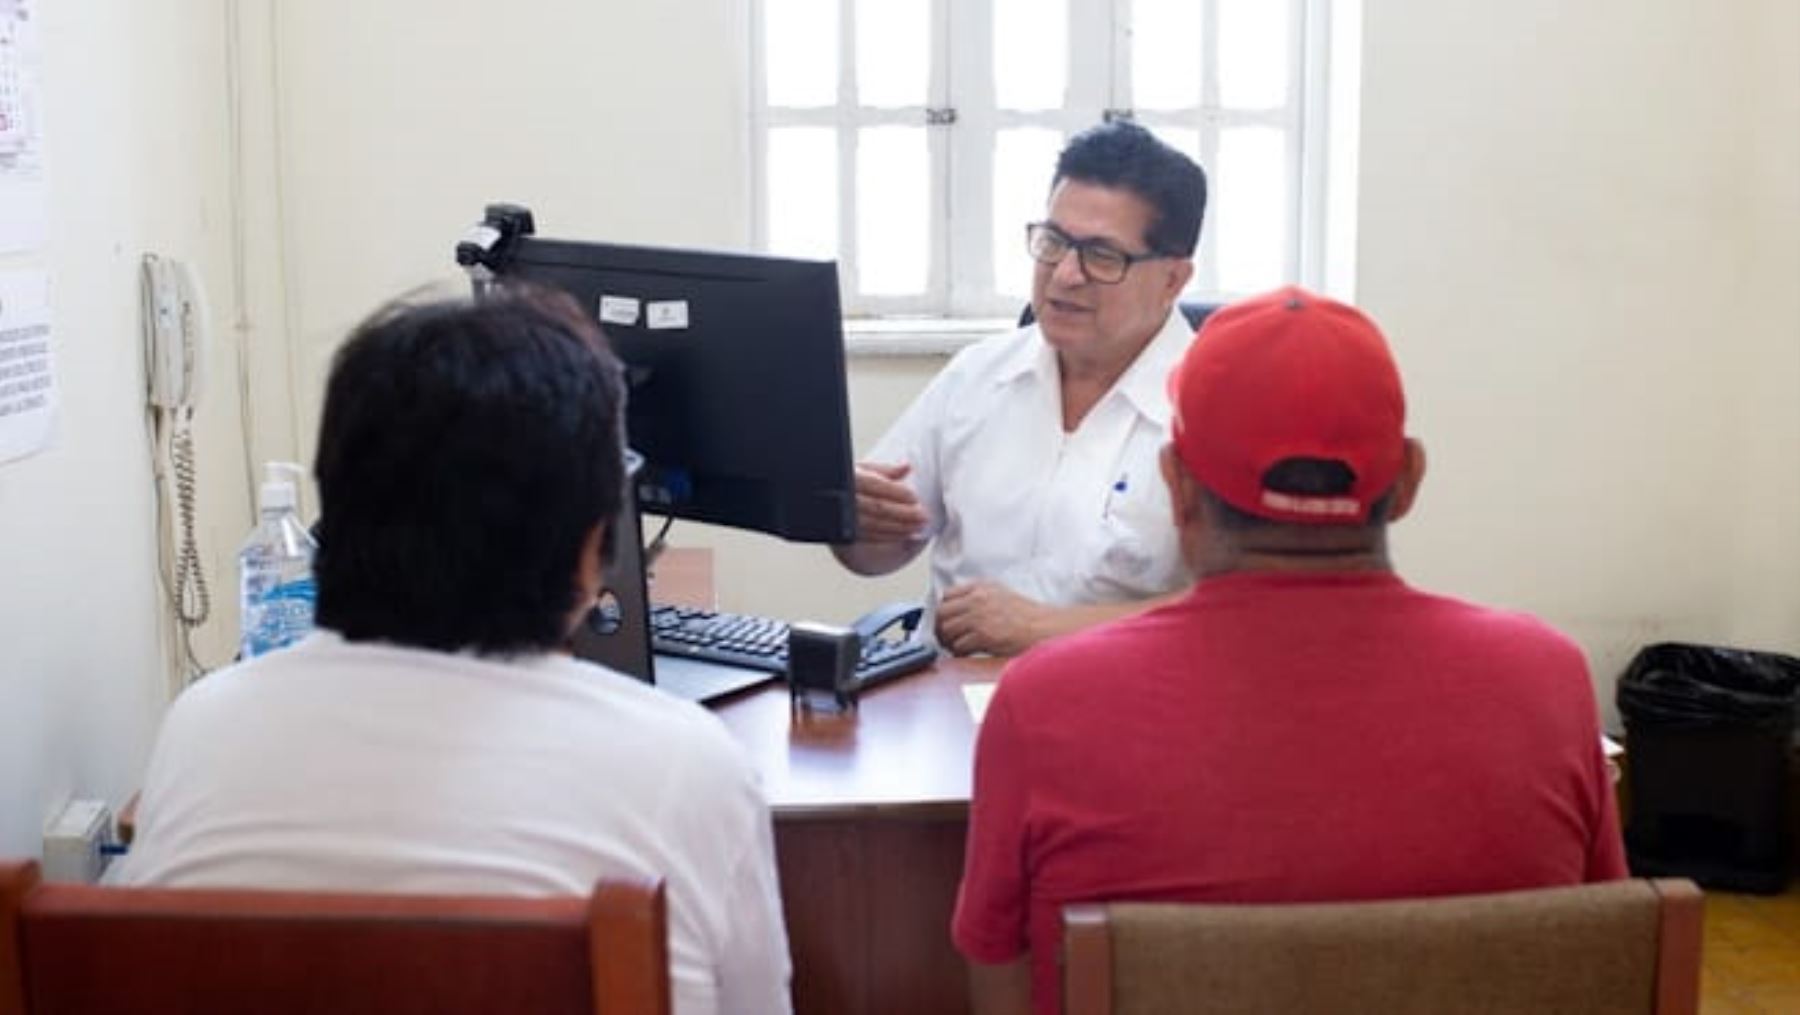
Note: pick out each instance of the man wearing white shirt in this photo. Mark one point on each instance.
(1029, 464)
(432, 737)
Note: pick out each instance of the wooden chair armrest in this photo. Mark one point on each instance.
(1680, 933)
(1087, 961)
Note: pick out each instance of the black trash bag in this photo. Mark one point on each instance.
(1678, 686)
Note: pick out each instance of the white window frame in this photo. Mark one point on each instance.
(959, 277)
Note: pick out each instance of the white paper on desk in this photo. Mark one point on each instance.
(1612, 751)
(977, 696)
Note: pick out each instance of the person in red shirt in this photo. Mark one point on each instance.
(1304, 725)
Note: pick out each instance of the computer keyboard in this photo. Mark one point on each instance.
(760, 643)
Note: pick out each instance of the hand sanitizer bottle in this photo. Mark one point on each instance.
(276, 591)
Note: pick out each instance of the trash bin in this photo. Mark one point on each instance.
(1707, 734)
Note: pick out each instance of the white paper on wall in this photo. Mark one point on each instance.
(27, 369)
(24, 201)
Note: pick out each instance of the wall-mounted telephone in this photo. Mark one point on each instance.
(174, 325)
(174, 328)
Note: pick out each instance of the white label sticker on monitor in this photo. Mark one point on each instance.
(666, 315)
(618, 310)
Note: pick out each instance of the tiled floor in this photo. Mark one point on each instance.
(1752, 956)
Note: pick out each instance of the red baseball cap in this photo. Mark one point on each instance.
(1290, 374)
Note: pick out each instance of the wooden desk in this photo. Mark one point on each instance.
(870, 814)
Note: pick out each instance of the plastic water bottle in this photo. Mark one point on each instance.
(276, 591)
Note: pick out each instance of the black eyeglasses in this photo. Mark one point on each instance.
(1100, 261)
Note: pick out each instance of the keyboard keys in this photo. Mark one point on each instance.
(760, 643)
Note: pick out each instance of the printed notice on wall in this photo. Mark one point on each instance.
(24, 201)
(27, 373)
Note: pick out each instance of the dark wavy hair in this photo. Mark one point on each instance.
(1124, 155)
(465, 452)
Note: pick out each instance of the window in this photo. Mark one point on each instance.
(913, 139)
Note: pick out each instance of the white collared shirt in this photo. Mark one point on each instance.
(1063, 518)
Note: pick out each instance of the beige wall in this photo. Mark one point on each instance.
(137, 147)
(1762, 498)
(628, 122)
(1578, 222)
(399, 121)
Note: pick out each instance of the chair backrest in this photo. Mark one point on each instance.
(1194, 310)
(77, 949)
(1621, 946)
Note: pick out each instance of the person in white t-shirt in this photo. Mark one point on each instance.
(1029, 464)
(432, 736)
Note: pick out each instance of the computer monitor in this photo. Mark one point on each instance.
(735, 369)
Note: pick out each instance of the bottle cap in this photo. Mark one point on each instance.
(281, 487)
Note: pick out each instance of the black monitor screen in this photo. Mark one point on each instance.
(735, 365)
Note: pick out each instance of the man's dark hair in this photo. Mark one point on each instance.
(1124, 155)
(465, 452)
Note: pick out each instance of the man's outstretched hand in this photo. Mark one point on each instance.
(887, 510)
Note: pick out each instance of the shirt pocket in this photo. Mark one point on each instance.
(1135, 551)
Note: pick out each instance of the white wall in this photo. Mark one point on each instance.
(1579, 226)
(136, 145)
(400, 120)
(626, 122)
(1764, 496)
